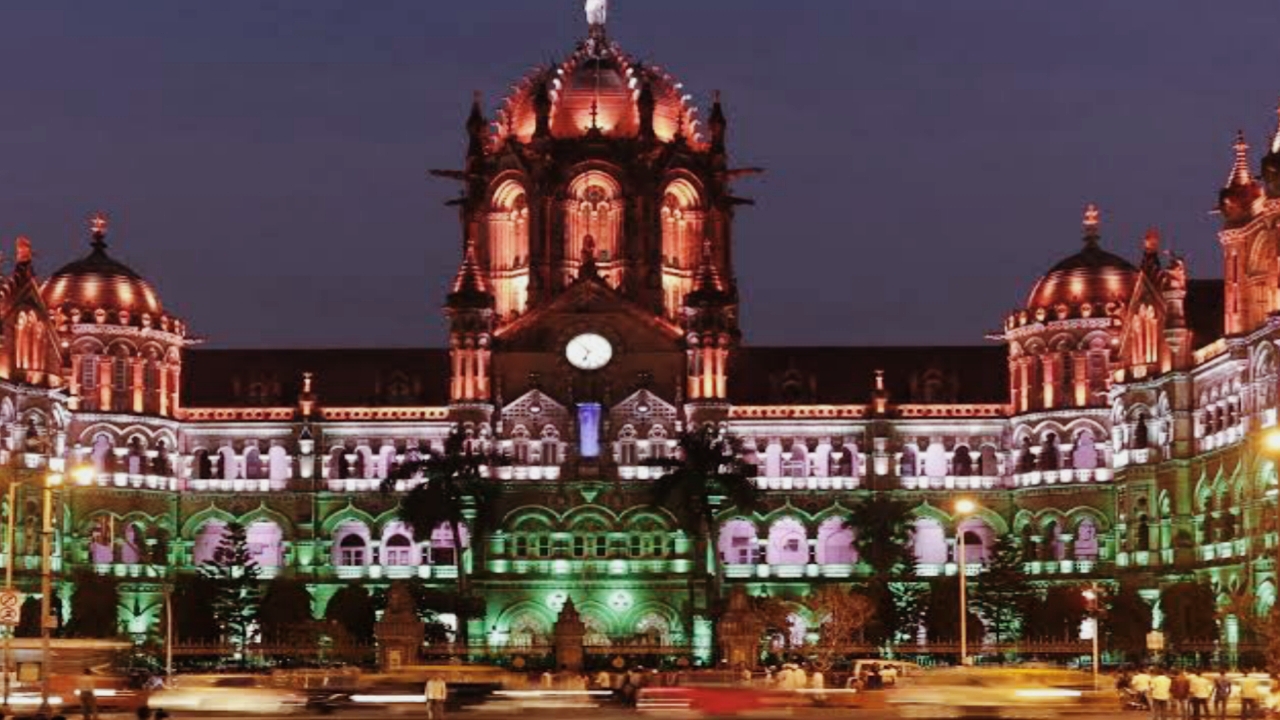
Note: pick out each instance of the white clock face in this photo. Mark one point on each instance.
(588, 351)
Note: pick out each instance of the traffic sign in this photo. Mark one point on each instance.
(10, 607)
(1155, 641)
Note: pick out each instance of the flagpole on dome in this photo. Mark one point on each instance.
(597, 16)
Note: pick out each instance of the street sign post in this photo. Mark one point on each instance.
(10, 607)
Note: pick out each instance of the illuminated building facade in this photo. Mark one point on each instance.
(592, 319)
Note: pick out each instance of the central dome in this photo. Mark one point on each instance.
(100, 282)
(1089, 277)
(599, 87)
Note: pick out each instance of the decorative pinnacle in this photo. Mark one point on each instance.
(1275, 139)
(1240, 167)
(1091, 214)
(1151, 241)
(98, 223)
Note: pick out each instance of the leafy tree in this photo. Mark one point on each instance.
(192, 600)
(1058, 615)
(882, 538)
(707, 468)
(28, 619)
(841, 616)
(237, 590)
(942, 614)
(95, 607)
(455, 482)
(285, 614)
(1127, 621)
(883, 534)
(1190, 614)
(1002, 593)
(352, 607)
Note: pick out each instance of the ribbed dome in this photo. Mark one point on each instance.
(598, 86)
(99, 281)
(1090, 276)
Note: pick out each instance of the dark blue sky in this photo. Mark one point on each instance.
(265, 163)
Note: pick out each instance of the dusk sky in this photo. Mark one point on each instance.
(265, 163)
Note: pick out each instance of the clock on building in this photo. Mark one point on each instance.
(589, 351)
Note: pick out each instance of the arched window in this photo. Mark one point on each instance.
(133, 550)
(443, 547)
(207, 540)
(1086, 544)
(682, 238)
(594, 211)
(278, 466)
(339, 466)
(1026, 457)
(908, 463)
(509, 249)
(737, 543)
(351, 550)
(1140, 433)
(1049, 459)
(962, 462)
(266, 543)
(252, 464)
(788, 543)
(397, 549)
(103, 459)
(550, 445)
(1084, 456)
(835, 543)
(989, 461)
(929, 540)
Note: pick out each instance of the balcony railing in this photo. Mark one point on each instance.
(953, 482)
(807, 483)
(1062, 477)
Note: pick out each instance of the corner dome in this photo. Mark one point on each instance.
(98, 281)
(597, 87)
(1090, 277)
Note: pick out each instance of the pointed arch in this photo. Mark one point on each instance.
(199, 518)
(349, 513)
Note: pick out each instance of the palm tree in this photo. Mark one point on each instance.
(706, 473)
(455, 483)
(882, 536)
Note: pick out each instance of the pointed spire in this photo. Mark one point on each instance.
(709, 280)
(1091, 215)
(718, 124)
(477, 128)
(470, 286)
(98, 223)
(1151, 253)
(1151, 241)
(1240, 166)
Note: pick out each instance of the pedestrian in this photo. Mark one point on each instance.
(1221, 693)
(88, 700)
(1248, 696)
(1180, 691)
(1161, 695)
(1141, 685)
(1201, 691)
(818, 683)
(437, 691)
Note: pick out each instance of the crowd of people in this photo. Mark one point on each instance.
(1183, 695)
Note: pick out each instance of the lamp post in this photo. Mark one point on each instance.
(964, 506)
(52, 481)
(10, 536)
(1091, 594)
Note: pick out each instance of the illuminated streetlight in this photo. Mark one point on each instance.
(964, 506)
(1270, 442)
(1091, 594)
(51, 482)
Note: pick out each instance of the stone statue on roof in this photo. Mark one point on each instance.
(597, 12)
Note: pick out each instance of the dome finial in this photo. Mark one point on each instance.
(1275, 139)
(1240, 165)
(98, 224)
(1091, 214)
(597, 14)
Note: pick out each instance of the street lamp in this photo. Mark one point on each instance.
(1091, 594)
(1270, 442)
(51, 482)
(964, 506)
